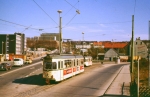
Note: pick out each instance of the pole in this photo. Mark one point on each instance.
(138, 79)
(149, 53)
(132, 49)
(82, 43)
(60, 32)
(149, 68)
(60, 36)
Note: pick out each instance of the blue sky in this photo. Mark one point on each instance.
(100, 20)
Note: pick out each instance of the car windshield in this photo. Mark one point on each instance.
(16, 59)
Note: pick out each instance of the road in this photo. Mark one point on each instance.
(27, 81)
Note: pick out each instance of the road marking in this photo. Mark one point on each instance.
(20, 68)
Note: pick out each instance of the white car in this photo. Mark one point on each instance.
(18, 62)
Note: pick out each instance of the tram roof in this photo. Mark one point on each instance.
(66, 56)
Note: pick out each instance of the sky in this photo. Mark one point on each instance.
(99, 20)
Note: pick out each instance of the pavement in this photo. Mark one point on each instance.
(120, 87)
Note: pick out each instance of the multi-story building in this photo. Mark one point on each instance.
(12, 43)
(49, 36)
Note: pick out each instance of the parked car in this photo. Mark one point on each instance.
(18, 62)
(28, 61)
(5, 66)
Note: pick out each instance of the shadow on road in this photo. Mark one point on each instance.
(32, 80)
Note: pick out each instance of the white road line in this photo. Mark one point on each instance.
(20, 68)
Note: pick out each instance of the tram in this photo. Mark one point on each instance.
(60, 67)
(87, 61)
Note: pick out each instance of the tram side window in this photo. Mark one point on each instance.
(66, 64)
(81, 61)
(74, 63)
(70, 63)
(54, 65)
(59, 65)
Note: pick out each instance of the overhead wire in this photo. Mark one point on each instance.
(21, 25)
(71, 5)
(77, 12)
(26, 28)
(71, 8)
(104, 23)
(71, 20)
(44, 11)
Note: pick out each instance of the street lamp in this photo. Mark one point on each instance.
(60, 33)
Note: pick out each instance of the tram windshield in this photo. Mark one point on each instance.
(50, 65)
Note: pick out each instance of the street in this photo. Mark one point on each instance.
(28, 82)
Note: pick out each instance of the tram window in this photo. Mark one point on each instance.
(61, 64)
(58, 64)
(69, 63)
(65, 65)
(54, 65)
(74, 63)
(81, 61)
(48, 65)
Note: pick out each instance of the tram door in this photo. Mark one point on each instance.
(60, 65)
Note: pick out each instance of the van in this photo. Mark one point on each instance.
(18, 62)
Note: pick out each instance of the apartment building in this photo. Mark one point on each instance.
(12, 43)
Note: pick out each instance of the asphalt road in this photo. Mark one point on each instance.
(27, 81)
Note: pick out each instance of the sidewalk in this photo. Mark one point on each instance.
(121, 84)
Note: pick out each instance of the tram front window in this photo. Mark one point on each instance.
(50, 65)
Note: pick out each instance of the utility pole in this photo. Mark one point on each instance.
(149, 52)
(82, 43)
(132, 49)
(60, 32)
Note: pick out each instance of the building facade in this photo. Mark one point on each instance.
(49, 36)
(12, 43)
(140, 48)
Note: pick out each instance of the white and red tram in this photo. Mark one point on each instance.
(60, 67)
(87, 61)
